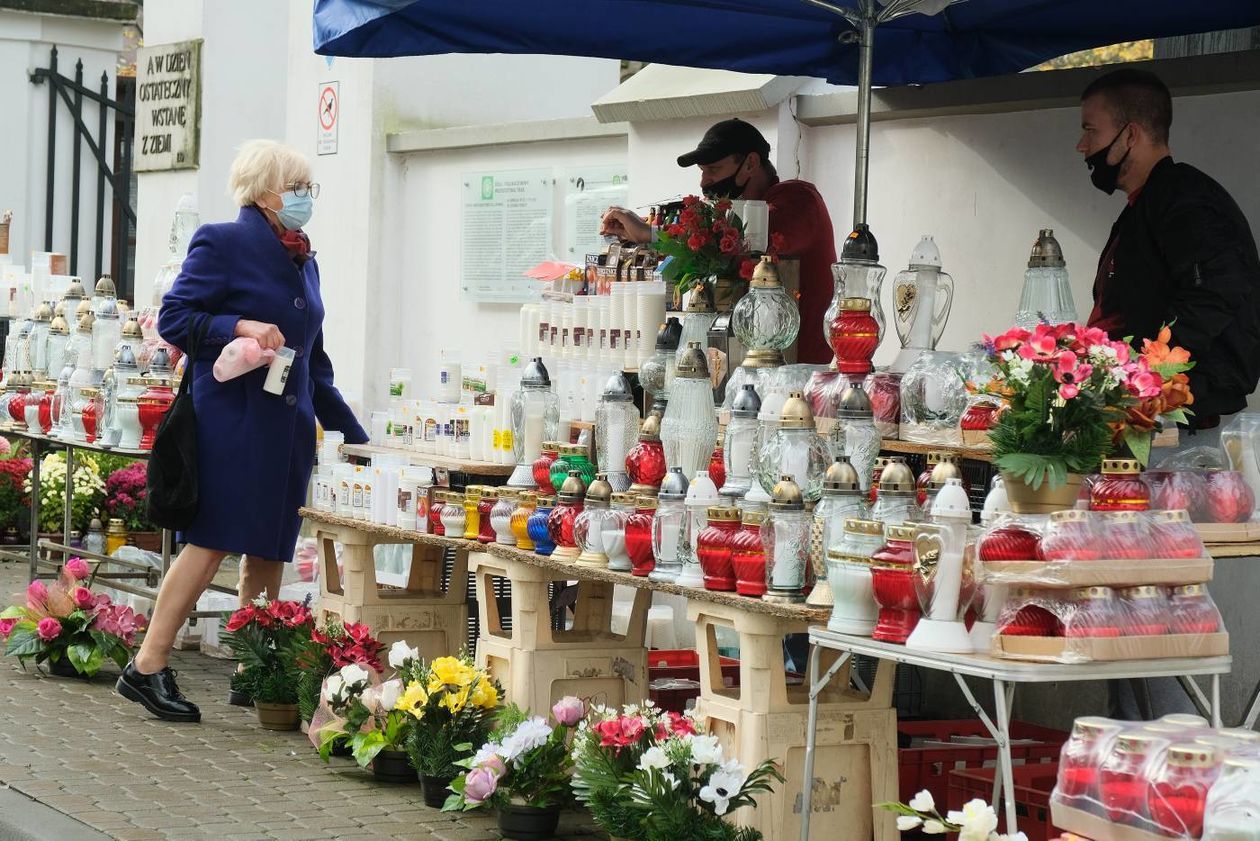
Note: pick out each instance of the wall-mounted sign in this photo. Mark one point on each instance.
(329, 117)
(168, 107)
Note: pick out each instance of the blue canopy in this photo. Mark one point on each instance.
(784, 37)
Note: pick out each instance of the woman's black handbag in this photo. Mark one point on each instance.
(172, 482)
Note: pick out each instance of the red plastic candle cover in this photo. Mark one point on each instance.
(854, 335)
(1229, 497)
(1071, 540)
(713, 548)
(90, 410)
(1117, 491)
(645, 463)
(541, 470)
(1145, 612)
(1094, 614)
(979, 416)
(749, 560)
(560, 524)
(639, 542)
(717, 466)
(485, 530)
(893, 588)
(1176, 490)
(1192, 612)
(1178, 794)
(1010, 543)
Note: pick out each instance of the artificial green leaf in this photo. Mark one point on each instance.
(80, 655)
(13, 611)
(23, 642)
(1139, 443)
(366, 746)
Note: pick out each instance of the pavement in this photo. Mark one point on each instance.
(80, 763)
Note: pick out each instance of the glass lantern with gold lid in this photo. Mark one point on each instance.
(645, 463)
(841, 500)
(896, 501)
(55, 346)
(535, 419)
(690, 423)
(657, 372)
(766, 320)
(563, 518)
(785, 540)
(41, 323)
(795, 449)
(591, 528)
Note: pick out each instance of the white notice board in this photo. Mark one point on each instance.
(506, 228)
(588, 193)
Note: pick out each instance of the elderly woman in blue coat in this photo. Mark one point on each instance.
(255, 277)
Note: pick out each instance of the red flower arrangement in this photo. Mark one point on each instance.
(126, 496)
(348, 644)
(14, 500)
(269, 638)
(705, 241)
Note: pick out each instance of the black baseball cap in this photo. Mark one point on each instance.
(729, 137)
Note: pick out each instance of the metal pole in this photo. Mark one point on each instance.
(34, 558)
(76, 168)
(866, 61)
(51, 183)
(68, 520)
(103, 128)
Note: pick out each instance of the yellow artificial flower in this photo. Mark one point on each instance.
(413, 699)
(484, 695)
(455, 701)
(446, 670)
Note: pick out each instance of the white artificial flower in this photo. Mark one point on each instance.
(400, 653)
(390, 692)
(933, 827)
(1014, 836)
(333, 685)
(705, 750)
(529, 734)
(353, 673)
(654, 758)
(722, 786)
(977, 821)
(484, 753)
(908, 822)
(260, 601)
(922, 802)
(669, 778)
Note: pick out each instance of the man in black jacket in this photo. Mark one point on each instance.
(1181, 252)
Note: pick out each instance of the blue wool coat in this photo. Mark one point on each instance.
(255, 450)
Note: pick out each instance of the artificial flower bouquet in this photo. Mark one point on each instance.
(706, 242)
(976, 821)
(452, 704)
(127, 495)
(362, 714)
(87, 491)
(269, 638)
(15, 499)
(1074, 396)
(526, 763)
(64, 622)
(647, 774)
(331, 647)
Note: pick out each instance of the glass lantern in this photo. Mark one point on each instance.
(539, 533)
(572, 457)
(738, 446)
(645, 463)
(796, 449)
(701, 494)
(854, 610)
(106, 333)
(616, 427)
(933, 399)
(1047, 292)
(19, 359)
(785, 540)
(623, 507)
(501, 518)
(748, 556)
(639, 528)
(55, 346)
(922, 296)
(591, 528)
(766, 320)
(858, 275)
(854, 336)
(669, 528)
(697, 322)
(714, 548)
(563, 518)
(40, 327)
(897, 499)
(526, 505)
(690, 423)
(717, 459)
(542, 466)
(657, 372)
(535, 419)
(841, 500)
(486, 532)
(452, 515)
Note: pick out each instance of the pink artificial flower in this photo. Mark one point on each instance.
(36, 595)
(1145, 384)
(568, 710)
(48, 629)
(1069, 370)
(77, 569)
(5, 447)
(1091, 336)
(1009, 340)
(494, 763)
(480, 784)
(1067, 391)
(1041, 346)
(6, 625)
(83, 598)
(1122, 351)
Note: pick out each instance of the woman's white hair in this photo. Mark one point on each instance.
(263, 165)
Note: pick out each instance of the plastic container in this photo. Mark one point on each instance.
(278, 371)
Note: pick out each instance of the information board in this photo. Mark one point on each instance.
(588, 193)
(506, 228)
(168, 107)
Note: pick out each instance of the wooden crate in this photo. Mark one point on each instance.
(427, 616)
(855, 757)
(537, 664)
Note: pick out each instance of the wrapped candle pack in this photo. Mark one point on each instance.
(240, 356)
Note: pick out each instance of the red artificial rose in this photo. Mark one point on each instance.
(240, 619)
(777, 241)
(746, 269)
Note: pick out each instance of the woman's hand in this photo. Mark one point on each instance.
(268, 336)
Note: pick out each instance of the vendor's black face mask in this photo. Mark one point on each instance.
(727, 188)
(1103, 174)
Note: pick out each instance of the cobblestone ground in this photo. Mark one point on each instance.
(79, 748)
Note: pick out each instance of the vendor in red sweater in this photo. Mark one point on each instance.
(734, 161)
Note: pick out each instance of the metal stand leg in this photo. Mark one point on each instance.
(1002, 697)
(68, 519)
(1216, 700)
(1200, 701)
(34, 556)
(816, 686)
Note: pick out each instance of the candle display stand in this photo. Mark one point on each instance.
(538, 664)
(422, 613)
(856, 755)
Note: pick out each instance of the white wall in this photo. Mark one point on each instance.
(25, 44)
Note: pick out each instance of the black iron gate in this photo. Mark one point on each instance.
(113, 165)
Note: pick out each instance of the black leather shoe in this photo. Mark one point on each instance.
(157, 693)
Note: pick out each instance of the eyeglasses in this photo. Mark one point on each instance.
(301, 190)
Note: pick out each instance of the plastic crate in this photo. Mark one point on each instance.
(1033, 785)
(963, 745)
(683, 667)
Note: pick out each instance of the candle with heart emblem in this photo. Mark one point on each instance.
(942, 575)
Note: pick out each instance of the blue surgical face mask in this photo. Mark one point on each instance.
(295, 210)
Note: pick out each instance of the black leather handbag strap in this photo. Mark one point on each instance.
(196, 335)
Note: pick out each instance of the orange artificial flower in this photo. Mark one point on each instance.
(1159, 353)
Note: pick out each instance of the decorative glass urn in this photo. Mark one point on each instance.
(616, 426)
(563, 518)
(854, 434)
(737, 449)
(698, 319)
(933, 398)
(669, 527)
(842, 499)
(858, 275)
(922, 296)
(897, 499)
(645, 463)
(657, 373)
(108, 324)
(785, 539)
(1047, 293)
(796, 449)
(55, 347)
(690, 423)
(535, 419)
(766, 320)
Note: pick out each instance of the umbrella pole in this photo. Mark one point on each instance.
(866, 60)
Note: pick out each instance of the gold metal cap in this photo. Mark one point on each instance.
(855, 304)
(1118, 518)
(1190, 590)
(1191, 756)
(766, 274)
(1121, 466)
(59, 326)
(131, 329)
(1070, 515)
(105, 287)
(1146, 591)
(651, 429)
(700, 299)
(43, 312)
(1093, 726)
(901, 531)
(76, 289)
(897, 477)
(787, 495)
(692, 365)
(85, 307)
(871, 528)
(86, 321)
(754, 518)
(472, 492)
(573, 488)
(624, 498)
(796, 413)
(645, 502)
(527, 498)
(546, 500)
(489, 493)
(1137, 741)
(841, 476)
(600, 491)
(1091, 593)
(552, 447)
(723, 514)
(1175, 516)
(947, 467)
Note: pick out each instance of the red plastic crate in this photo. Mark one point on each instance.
(683, 664)
(1033, 785)
(928, 767)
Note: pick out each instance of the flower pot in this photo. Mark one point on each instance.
(435, 789)
(64, 668)
(149, 541)
(276, 716)
(727, 291)
(528, 823)
(392, 766)
(1044, 500)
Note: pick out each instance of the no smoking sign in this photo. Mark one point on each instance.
(329, 118)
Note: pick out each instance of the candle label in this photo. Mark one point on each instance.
(508, 440)
(579, 336)
(367, 496)
(356, 497)
(404, 500)
(343, 495)
(614, 339)
(461, 430)
(603, 339)
(544, 332)
(430, 430)
(496, 439)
